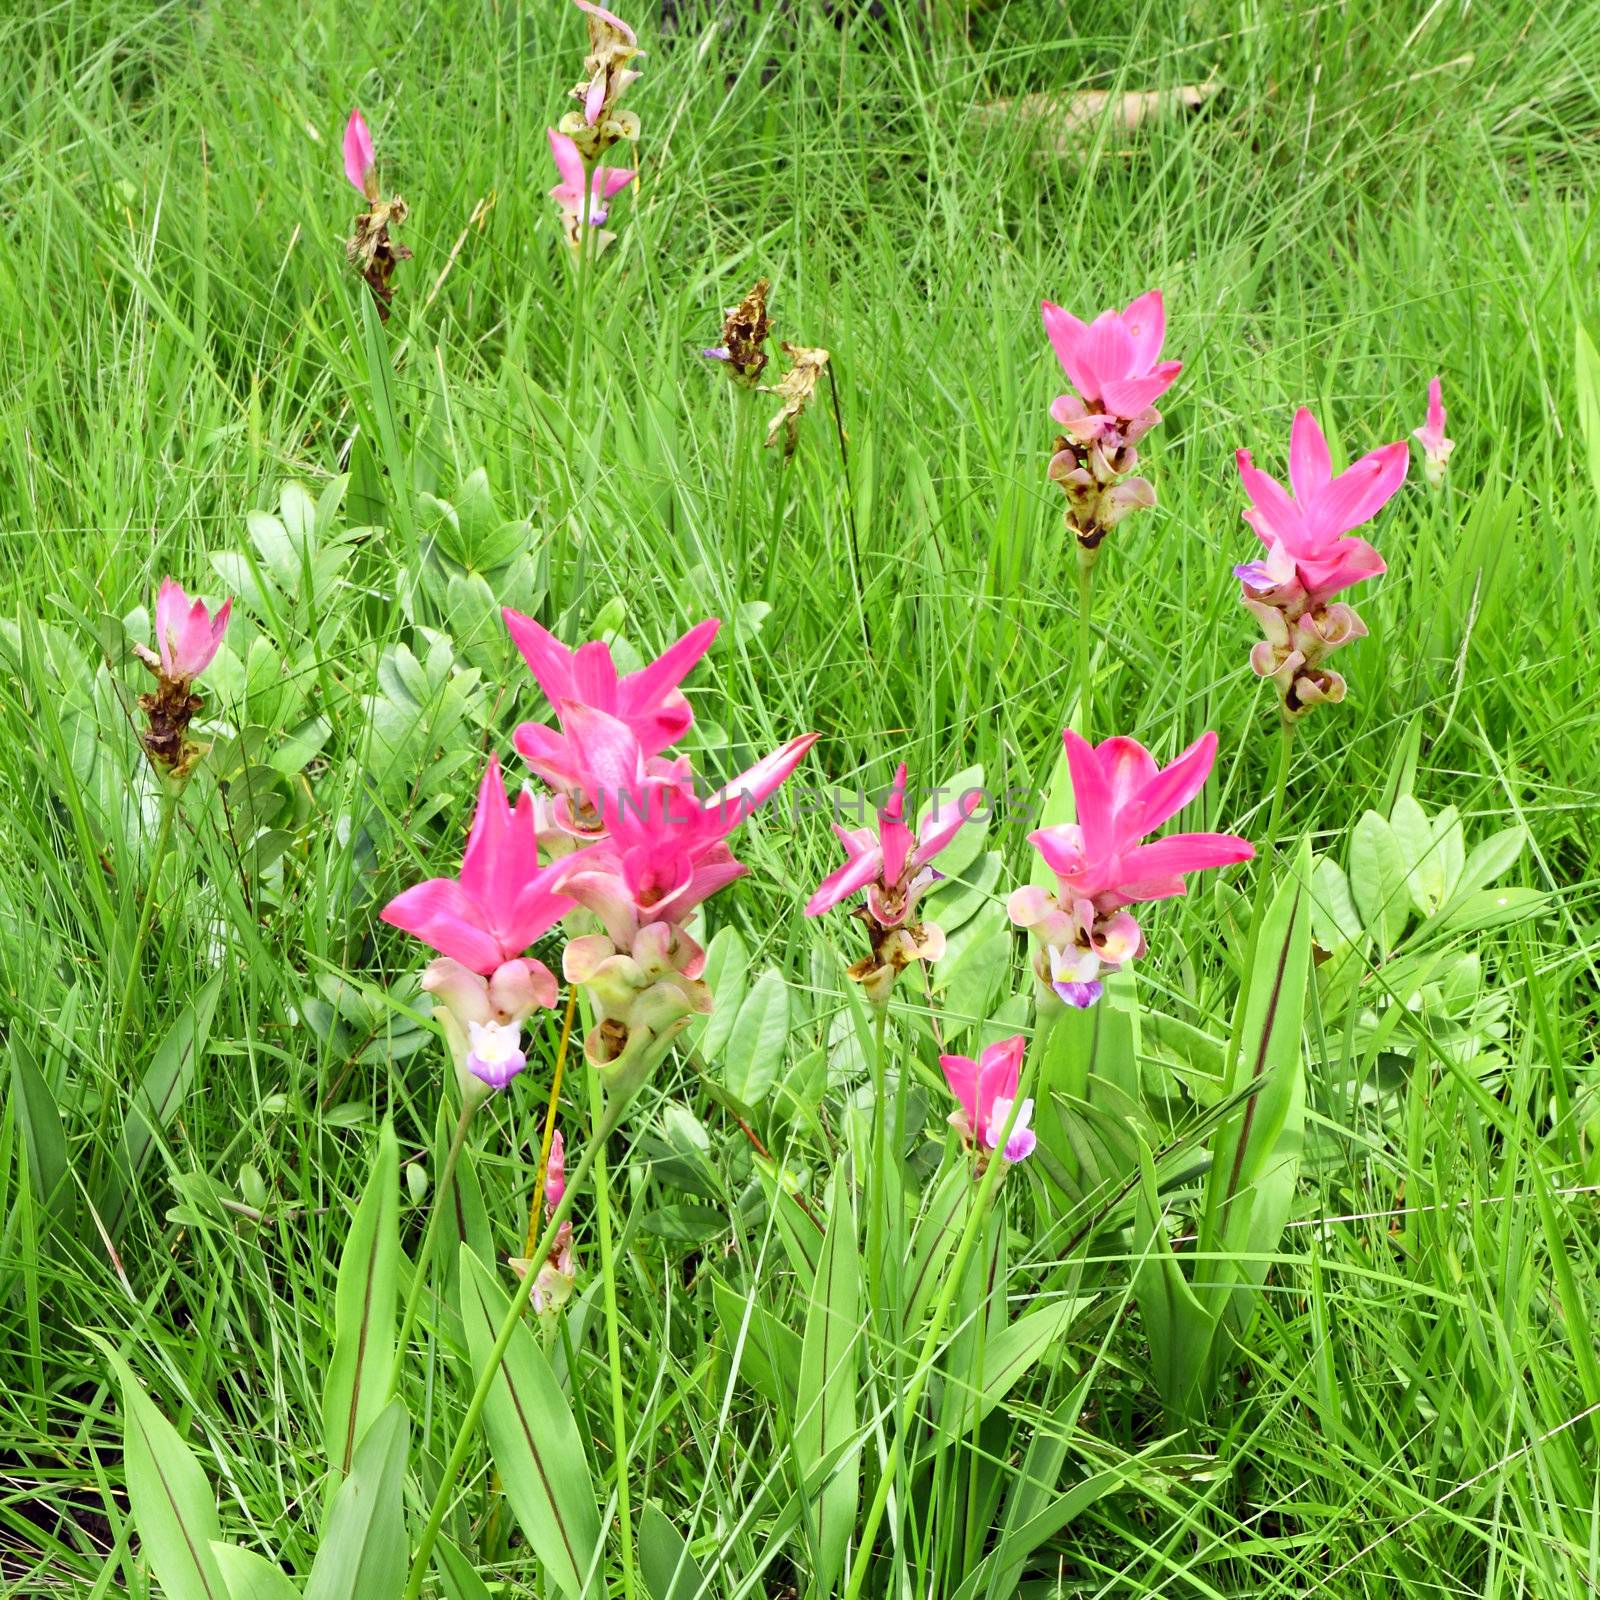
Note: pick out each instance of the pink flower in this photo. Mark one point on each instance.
(648, 703)
(187, 635)
(987, 1090)
(501, 902)
(568, 194)
(358, 157)
(1102, 865)
(665, 852)
(1305, 533)
(1435, 447)
(894, 864)
(1113, 362)
(555, 1173)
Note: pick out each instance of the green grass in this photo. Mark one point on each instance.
(1372, 196)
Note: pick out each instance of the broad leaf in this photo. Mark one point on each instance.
(364, 1550)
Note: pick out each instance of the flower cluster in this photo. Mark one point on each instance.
(628, 839)
(986, 1091)
(585, 190)
(188, 637)
(1115, 365)
(370, 249)
(1102, 866)
(554, 1277)
(1311, 557)
(894, 865)
(745, 330)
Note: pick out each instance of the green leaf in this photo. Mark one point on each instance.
(754, 1054)
(1378, 880)
(532, 1437)
(357, 1385)
(1420, 852)
(1256, 1155)
(173, 1507)
(826, 1450)
(1491, 859)
(1586, 378)
(937, 1231)
(49, 1168)
(768, 1351)
(250, 1576)
(1017, 1347)
(166, 1083)
(364, 1551)
(461, 1580)
(668, 1570)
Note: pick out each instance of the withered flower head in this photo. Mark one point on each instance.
(744, 337)
(188, 637)
(612, 45)
(370, 250)
(796, 387)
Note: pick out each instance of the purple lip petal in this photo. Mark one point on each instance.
(1081, 995)
(717, 353)
(497, 1074)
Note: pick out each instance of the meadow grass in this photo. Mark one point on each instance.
(1372, 195)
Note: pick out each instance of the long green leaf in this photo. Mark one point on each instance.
(665, 1564)
(769, 1354)
(357, 1386)
(825, 1447)
(250, 1576)
(1019, 1346)
(533, 1438)
(364, 1550)
(173, 1506)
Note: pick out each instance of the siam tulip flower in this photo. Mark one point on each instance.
(894, 865)
(188, 637)
(665, 854)
(481, 923)
(568, 194)
(1311, 557)
(1435, 447)
(745, 330)
(1102, 865)
(359, 165)
(607, 76)
(648, 702)
(370, 249)
(1114, 364)
(553, 1283)
(987, 1090)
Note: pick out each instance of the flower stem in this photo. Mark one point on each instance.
(619, 1421)
(537, 1207)
(1085, 641)
(880, 1146)
(450, 1477)
(987, 1188)
(169, 812)
(447, 1173)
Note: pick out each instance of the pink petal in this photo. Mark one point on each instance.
(594, 676)
(1061, 848)
(439, 913)
(1146, 322)
(548, 659)
(1347, 561)
(595, 100)
(1128, 767)
(647, 689)
(844, 881)
(569, 163)
(1309, 464)
(490, 846)
(610, 19)
(1276, 515)
(536, 907)
(1176, 854)
(609, 181)
(1359, 493)
(358, 154)
(936, 834)
(1092, 794)
(896, 839)
(1127, 397)
(1067, 336)
(1166, 794)
(752, 787)
(1107, 350)
(961, 1073)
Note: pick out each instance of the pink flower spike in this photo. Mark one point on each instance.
(1310, 527)
(358, 156)
(986, 1090)
(501, 902)
(555, 1174)
(604, 183)
(1435, 447)
(187, 635)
